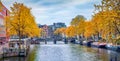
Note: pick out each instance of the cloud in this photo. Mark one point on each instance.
(49, 11)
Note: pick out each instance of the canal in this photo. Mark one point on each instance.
(67, 52)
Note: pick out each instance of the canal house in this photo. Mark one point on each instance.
(3, 30)
(4, 37)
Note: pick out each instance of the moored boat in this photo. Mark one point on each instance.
(99, 45)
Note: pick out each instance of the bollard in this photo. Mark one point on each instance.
(55, 41)
(45, 42)
(66, 42)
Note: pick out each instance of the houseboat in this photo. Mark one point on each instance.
(17, 48)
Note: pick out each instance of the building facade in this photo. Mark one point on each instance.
(44, 33)
(48, 30)
(58, 25)
(3, 13)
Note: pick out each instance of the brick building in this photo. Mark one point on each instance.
(3, 13)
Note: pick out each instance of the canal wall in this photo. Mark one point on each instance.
(5, 51)
(5, 45)
(14, 53)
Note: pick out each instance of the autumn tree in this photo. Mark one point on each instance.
(60, 31)
(89, 29)
(57, 31)
(70, 31)
(79, 22)
(75, 21)
(81, 28)
(97, 26)
(109, 12)
(22, 22)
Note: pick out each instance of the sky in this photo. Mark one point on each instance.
(53, 11)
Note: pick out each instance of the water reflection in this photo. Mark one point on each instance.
(67, 52)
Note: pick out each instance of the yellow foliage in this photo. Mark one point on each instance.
(22, 22)
(60, 31)
(79, 25)
(109, 19)
(89, 29)
(70, 31)
(80, 28)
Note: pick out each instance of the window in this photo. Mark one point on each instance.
(1, 21)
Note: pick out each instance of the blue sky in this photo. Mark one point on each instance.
(50, 11)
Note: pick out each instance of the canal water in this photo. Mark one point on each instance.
(67, 52)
